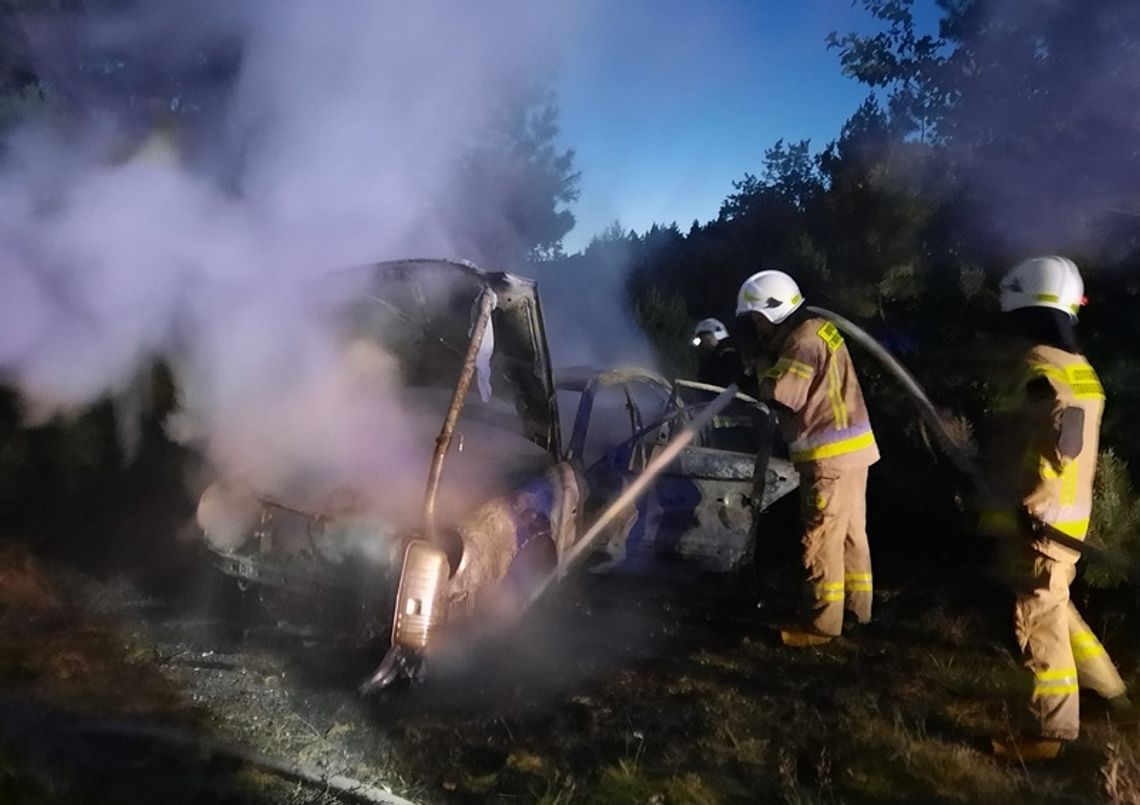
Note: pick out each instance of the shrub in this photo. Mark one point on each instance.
(1115, 523)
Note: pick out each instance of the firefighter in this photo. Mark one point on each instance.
(718, 360)
(1041, 459)
(811, 384)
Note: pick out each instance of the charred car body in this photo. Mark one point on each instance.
(506, 498)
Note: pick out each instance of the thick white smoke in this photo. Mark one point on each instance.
(334, 140)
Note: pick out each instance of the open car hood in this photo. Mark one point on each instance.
(442, 294)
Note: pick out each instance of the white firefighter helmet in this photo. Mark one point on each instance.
(1051, 281)
(714, 326)
(772, 294)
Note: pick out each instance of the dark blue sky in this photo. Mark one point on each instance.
(666, 102)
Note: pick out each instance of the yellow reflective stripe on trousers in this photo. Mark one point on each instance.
(1086, 646)
(832, 449)
(829, 591)
(1058, 682)
(858, 582)
(1077, 529)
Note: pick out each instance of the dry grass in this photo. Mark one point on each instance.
(711, 712)
(899, 758)
(22, 584)
(903, 711)
(1120, 774)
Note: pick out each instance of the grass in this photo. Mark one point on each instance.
(625, 692)
(1120, 773)
(893, 758)
(62, 668)
(902, 711)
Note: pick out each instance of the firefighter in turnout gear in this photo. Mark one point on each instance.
(813, 389)
(718, 362)
(1041, 460)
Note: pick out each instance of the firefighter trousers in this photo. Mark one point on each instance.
(836, 556)
(1058, 648)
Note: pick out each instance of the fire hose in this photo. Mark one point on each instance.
(955, 451)
(399, 662)
(337, 785)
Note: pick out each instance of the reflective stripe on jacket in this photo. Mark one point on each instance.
(813, 377)
(1028, 464)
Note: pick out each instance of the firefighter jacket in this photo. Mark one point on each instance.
(814, 379)
(1045, 442)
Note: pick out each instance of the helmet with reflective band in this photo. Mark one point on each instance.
(772, 294)
(1051, 281)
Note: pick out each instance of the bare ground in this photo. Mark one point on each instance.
(614, 690)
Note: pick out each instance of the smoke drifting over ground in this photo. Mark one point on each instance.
(204, 166)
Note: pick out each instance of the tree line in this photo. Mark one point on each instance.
(1008, 133)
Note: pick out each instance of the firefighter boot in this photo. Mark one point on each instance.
(798, 638)
(1124, 712)
(1026, 748)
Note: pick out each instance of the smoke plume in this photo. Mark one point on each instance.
(202, 165)
(1044, 120)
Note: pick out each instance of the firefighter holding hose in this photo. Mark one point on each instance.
(812, 386)
(1041, 460)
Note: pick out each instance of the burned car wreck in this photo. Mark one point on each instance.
(507, 501)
